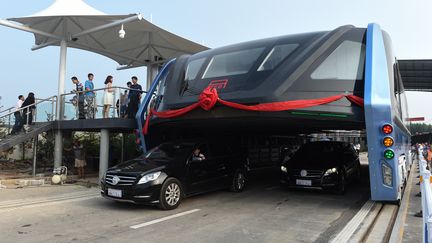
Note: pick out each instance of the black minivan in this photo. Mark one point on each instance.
(174, 170)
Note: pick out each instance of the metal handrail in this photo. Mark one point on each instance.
(36, 103)
(426, 192)
(83, 93)
(8, 109)
(113, 87)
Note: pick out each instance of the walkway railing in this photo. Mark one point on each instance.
(95, 106)
(426, 195)
(45, 111)
(71, 104)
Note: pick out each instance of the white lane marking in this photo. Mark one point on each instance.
(164, 219)
(354, 223)
(40, 204)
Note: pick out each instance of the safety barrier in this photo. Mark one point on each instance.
(426, 193)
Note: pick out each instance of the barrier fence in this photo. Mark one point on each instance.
(426, 197)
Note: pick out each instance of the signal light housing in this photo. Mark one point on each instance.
(387, 129)
(389, 154)
(388, 141)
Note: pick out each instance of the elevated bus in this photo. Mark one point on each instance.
(345, 79)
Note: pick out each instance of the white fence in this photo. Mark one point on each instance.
(426, 192)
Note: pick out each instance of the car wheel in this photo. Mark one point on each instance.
(239, 181)
(342, 184)
(170, 194)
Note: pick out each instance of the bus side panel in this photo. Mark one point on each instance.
(378, 111)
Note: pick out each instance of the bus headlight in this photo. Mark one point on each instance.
(387, 174)
(284, 169)
(388, 141)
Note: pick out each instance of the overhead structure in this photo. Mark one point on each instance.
(416, 74)
(129, 40)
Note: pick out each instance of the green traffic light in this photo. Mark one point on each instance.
(389, 154)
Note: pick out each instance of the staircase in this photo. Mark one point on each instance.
(37, 128)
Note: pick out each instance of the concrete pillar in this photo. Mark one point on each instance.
(104, 152)
(35, 142)
(152, 71)
(58, 149)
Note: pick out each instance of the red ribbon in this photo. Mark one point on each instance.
(209, 97)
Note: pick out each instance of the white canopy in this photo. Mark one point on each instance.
(86, 28)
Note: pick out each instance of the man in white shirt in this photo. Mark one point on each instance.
(18, 116)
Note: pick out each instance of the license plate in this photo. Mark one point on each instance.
(304, 182)
(114, 192)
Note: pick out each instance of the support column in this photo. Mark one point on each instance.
(35, 142)
(58, 149)
(152, 71)
(104, 152)
(58, 146)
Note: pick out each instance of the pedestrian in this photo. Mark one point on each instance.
(123, 103)
(134, 98)
(429, 158)
(90, 97)
(18, 115)
(108, 96)
(80, 162)
(29, 102)
(79, 90)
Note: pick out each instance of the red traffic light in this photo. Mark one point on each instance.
(387, 129)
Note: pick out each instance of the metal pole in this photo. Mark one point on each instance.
(58, 147)
(62, 74)
(122, 147)
(35, 142)
(103, 153)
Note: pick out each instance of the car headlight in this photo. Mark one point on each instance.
(330, 171)
(284, 169)
(149, 177)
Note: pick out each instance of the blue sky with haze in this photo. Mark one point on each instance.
(214, 23)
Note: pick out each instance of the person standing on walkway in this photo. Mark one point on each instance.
(18, 117)
(134, 98)
(108, 96)
(80, 162)
(90, 97)
(28, 112)
(79, 90)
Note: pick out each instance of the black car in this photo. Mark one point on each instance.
(327, 165)
(174, 170)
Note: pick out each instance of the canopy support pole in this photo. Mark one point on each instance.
(58, 146)
(152, 71)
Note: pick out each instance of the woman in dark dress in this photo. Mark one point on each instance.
(28, 112)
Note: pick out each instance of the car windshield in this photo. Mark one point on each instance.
(169, 151)
(319, 148)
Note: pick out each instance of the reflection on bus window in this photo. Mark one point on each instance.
(276, 56)
(232, 63)
(193, 68)
(346, 62)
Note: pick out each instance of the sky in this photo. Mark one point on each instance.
(214, 24)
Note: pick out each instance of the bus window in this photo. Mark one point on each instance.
(232, 63)
(276, 56)
(344, 63)
(193, 68)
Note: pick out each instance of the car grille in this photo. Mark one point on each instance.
(123, 180)
(310, 173)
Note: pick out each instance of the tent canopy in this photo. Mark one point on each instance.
(86, 28)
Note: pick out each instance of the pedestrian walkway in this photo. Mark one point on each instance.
(408, 228)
